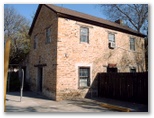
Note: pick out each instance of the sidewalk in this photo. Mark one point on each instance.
(134, 107)
(32, 102)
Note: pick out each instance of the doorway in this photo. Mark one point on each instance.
(39, 79)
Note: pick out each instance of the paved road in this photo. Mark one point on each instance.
(32, 102)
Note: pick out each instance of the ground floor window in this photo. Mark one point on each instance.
(133, 70)
(84, 77)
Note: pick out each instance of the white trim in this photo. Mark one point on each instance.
(83, 64)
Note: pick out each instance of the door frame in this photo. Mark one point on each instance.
(39, 86)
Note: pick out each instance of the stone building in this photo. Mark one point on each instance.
(69, 48)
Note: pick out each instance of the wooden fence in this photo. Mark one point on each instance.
(124, 86)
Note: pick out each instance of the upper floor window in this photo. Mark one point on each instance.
(48, 35)
(35, 41)
(84, 34)
(111, 37)
(132, 44)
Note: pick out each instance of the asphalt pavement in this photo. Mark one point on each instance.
(33, 102)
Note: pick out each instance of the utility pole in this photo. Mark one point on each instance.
(6, 63)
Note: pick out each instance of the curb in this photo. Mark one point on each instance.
(114, 107)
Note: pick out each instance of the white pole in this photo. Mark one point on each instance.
(9, 81)
(22, 85)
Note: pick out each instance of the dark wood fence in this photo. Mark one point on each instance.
(124, 86)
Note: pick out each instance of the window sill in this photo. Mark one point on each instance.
(133, 50)
(47, 43)
(84, 87)
(84, 42)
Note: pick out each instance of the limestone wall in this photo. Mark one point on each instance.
(72, 54)
(45, 53)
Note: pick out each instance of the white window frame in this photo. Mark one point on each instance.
(85, 35)
(83, 64)
(87, 78)
(111, 40)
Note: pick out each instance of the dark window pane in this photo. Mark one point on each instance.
(133, 70)
(83, 38)
(84, 77)
(81, 72)
(48, 35)
(35, 42)
(112, 70)
(132, 44)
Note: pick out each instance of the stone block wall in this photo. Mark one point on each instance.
(72, 54)
(65, 54)
(45, 53)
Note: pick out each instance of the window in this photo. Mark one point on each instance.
(132, 44)
(112, 70)
(84, 34)
(84, 77)
(133, 70)
(35, 41)
(111, 37)
(48, 35)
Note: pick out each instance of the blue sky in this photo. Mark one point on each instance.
(28, 10)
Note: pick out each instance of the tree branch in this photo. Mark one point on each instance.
(129, 18)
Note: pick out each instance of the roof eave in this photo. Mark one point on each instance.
(34, 19)
(36, 15)
(129, 31)
(100, 24)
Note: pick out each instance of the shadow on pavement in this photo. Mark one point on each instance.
(12, 100)
(41, 103)
(20, 109)
(28, 94)
(88, 104)
(136, 107)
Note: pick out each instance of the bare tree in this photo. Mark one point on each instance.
(16, 28)
(134, 15)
